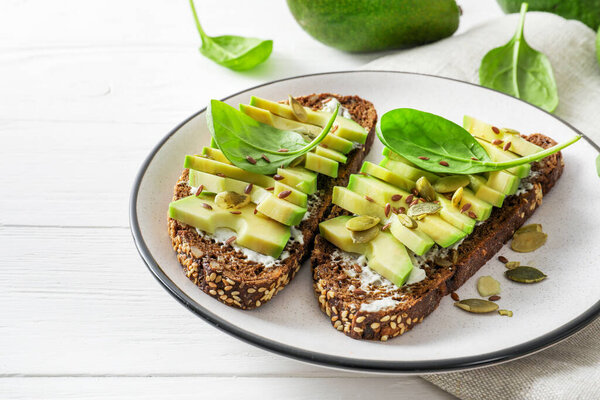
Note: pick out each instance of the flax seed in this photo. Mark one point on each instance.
(284, 194)
(270, 188)
(444, 163)
(494, 298)
(369, 199)
(255, 211)
(207, 206)
(454, 296)
(248, 188)
(423, 158)
(496, 130)
(506, 146)
(199, 190)
(472, 215)
(475, 158)
(386, 226)
(502, 259)
(230, 240)
(397, 197)
(282, 150)
(465, 207)
(277, 177)
(497, 142)
(409, 199)
(264, 157)
(335, 128)
(235, 212)
(222, 175)
(251, 160)
(387, 209)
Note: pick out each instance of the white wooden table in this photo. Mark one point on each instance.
(86, 90)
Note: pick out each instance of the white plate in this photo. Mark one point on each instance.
(449, 339)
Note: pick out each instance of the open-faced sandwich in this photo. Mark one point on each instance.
(245, 211)
(414, 228)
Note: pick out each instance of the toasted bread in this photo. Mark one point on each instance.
(224, 272)
(336, 278)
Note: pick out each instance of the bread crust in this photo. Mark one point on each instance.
(332, 276)
(223, 272)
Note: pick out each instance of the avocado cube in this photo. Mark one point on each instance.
(440, 231)
(504, 182)
(320, 164)
(408, 172)
(356, 204)
(296, 196)
(388, 176)
(381, 192)
(254, 232)
(482, 209)
(346, 128)
(282, 211)
(215, 154)
(231, 171)
(384, 254)
(484, 192)
(498, 154)
(452, 215)
(299, 178)
(331, 154)
(337, 143)
(266, 117)
(217, 184)
(395, 156)
(414, 239)
(485, 131)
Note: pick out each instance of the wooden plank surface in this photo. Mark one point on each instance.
(86, 90)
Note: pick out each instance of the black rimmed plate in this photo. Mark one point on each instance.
(449, 339)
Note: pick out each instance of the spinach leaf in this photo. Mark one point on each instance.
(435, 144)
(598, 165)
(243, 139)
(520, 71)
(235, 52)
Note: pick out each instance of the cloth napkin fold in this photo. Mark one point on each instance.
(570, 369)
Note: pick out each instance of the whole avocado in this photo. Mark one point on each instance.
(371, 25)
(586, 11)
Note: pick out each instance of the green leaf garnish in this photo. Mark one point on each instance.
(520, 71)
(243, 139)
(598, 165)
(435, 144)
(235, 52)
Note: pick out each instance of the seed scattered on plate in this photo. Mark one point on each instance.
(494, 298)
(525, 274)
(502, 259)
(512, 264)
(506, 313)
(528, 241)
(478, 306)
(487, 286)
(454, 296)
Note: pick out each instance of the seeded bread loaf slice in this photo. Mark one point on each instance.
(224, 272)
(336, 278)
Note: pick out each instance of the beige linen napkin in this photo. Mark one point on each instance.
(570, 369)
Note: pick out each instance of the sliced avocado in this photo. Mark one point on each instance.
(299, 178)
(504, 182)
(484, 192)
(407, 171)
(217, 184)
(337, 143)
(452, 215)
(356, 204)
(266, 117)
(296, 196)
(384, 254)
(498, 154)
(322, 165)
(331, 154)
(485, 131)
(414, 239)
(254, 232)
(215, 154)
(386, 175)
(282, 211)
(440, 231)
(231, 171)
(346, 128)
(395, 156)
(482, 209)
(379, 191)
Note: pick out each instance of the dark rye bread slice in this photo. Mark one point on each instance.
(333, 279)
(223, 272)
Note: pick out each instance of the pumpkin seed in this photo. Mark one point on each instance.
(525, 274)
(449, 184)
(477, 305)
(364, 236)
(423, 209)
(442, 262)
(488, 286)
(528, 241)
(512, 264)
(508, 313)
(425, 189)
(229, 200)
(407, 221)
(529, 228)
(457, 197)
(361, 223)
(297, 109)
